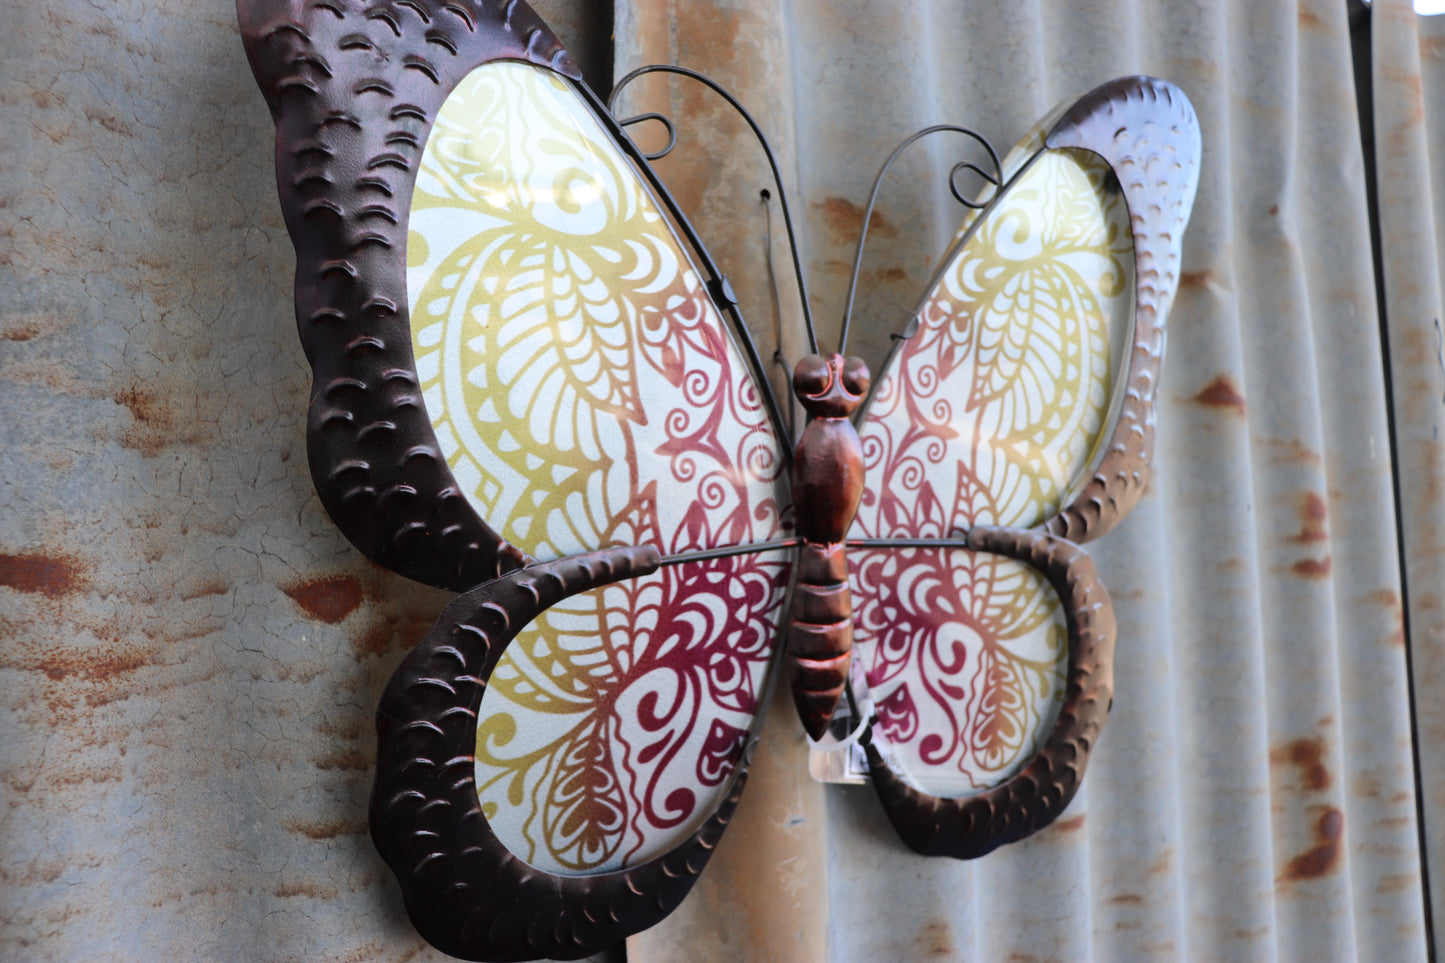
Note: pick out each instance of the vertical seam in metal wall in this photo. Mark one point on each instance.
(1363, 63)
(1243, 266)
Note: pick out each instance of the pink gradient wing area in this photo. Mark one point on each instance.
(611, 728)
(988, 415)
(1021, 399)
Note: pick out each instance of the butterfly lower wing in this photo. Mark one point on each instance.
(974, 823)
(516, 357)
(1020, 399)
(467, 892)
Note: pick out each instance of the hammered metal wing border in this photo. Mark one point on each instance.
(1147, 131)
(354, 88)
(465, 892)
(974, 826)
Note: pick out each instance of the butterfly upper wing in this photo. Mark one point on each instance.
(352, 88)
(523, 339)
(1020, 399)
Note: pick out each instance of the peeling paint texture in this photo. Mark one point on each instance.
(191, 655)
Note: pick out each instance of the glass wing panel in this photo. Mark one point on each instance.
(576, 373)
(965, 656)
(612, 723)
(996, 409)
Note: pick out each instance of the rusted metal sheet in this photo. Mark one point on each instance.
(1252, 796)
(190, 653)
(1409, 93)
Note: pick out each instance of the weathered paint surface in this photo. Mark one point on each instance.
(190, 655)
(1252, 794)
(1409, 93)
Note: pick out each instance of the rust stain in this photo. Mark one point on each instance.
(1294, 451)
(1127, 899)
(1324, 856)
(310, 890)
(1312, 568)
(153, 426)
(345, 759)
(1308, 18)
(1390, 599)
(844, 218)
(1221, 392)
(353, 728)
(1396, 882)
(210, 588)
(1070, 825)
(1307, 756)
(1198, 279)
(1386, 597)
(1313, 513)
(935, 939)
(92, 666)
(891, 274)
(328, 829)
(21, 332)
(394, 631)
(1274, 210)
(110, 122)
(44, 574)
(328, 599)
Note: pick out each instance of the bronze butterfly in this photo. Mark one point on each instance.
(532, 386)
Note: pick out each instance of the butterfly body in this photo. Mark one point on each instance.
(827, 486)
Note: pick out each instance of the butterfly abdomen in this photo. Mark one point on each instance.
(827, 486)
(820, 634)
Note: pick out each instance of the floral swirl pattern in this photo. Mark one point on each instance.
(989, 415)
(587, 394)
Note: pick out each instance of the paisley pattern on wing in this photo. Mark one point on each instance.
(571, 361)
(588, 394)
(989, 415)
(612, 724)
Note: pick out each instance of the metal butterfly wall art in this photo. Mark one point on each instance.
(532, 387)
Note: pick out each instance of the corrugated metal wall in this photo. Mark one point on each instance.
(1253, 795)
(1409, 117)
(190, 654)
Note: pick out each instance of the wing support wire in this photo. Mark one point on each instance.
(995, 178)
(718, 287)
(728, 551)
(911, 328)
(742, 112)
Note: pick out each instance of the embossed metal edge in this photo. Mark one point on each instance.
(1147, 132)
(465, 892)
(354, 87)
(974, 826)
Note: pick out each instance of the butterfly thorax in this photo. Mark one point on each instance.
(827, 486)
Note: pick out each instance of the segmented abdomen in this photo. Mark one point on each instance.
(820, 634)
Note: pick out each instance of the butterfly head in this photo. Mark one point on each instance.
(830, 386)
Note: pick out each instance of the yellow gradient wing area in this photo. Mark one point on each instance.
(572, 363)
(587, 394)
(991, 413)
